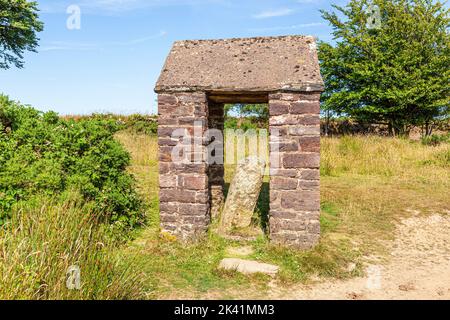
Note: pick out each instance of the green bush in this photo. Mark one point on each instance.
(435, 139)
(137, 123)
(43, 154)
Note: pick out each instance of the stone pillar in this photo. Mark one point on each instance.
(216, 170)
(184, 194)
(295, 159)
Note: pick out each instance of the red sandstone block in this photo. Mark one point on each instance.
(168, 142)
(309, 144)
(313, 228)
(301, 160)
(281, 183)
(310, 174)
(193, 209)
(165, 218)
(193, 182)
(165, 153)
(304, 130)
(308, 120)
(300, 200)
(305, 107)
(168, 207)
(283, 96)
(277, 215)
(278, 131)
(286, 146)
(164, 131)
(291, 173)
(292, 225)
(191, 121)
(202, 197)
(284, 119)
(312, 96)
(164, 167)
(176, 109)
(196, 220)
(167, 99)
(177, 195)
(168, 181)
(274, 195)
(188, 167)
(309, 184)
(167, 121)
(278, 108)
(191, 97)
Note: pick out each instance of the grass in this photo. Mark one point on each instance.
(44, 239)
(367, 185)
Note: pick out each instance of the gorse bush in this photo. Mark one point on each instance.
(135, 123)
(43, 154)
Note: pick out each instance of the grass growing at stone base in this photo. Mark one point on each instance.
(367, 184)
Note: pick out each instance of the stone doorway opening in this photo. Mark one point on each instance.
(198, 78)
(245, 128)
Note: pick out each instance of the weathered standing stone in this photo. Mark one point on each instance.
(243, 195)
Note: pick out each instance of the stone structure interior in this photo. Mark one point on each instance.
(198, 78)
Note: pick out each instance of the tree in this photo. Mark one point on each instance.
(395, 72)
(257, 114)
(19, 24)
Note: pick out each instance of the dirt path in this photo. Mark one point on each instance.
(419, 268)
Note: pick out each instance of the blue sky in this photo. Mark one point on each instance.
(112, 63)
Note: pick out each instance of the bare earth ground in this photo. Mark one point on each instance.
(419, 268)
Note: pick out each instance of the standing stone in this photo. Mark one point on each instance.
(243, 195)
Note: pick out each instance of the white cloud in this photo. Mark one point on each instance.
(273, 13)
(292, 27)
(116, 6)
(87, 46)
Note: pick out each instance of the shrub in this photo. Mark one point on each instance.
(136, 123)
(435, 139)
(43, 154)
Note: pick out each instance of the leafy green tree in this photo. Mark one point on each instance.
(394, 71)
(246, 116)
(19, 24)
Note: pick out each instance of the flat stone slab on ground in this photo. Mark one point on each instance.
(248, 266)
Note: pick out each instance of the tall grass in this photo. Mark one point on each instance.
(372, 156)
(43, 239)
